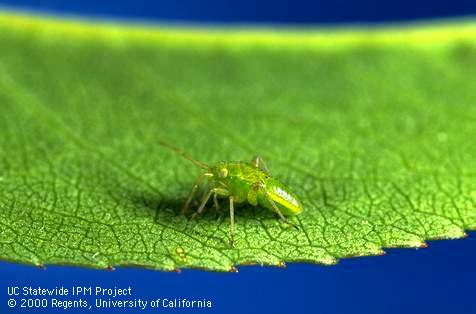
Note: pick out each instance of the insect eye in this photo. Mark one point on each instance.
(223, 173)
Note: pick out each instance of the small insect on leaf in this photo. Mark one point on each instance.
(241, 182)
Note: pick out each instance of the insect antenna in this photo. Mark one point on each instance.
(184, 155)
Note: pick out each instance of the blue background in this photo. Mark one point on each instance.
(438, 279)
(258, 11)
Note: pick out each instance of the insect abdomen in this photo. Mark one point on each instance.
(286, 201)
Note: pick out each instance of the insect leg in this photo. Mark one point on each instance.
(206, 198)
(258, 162)
(276, 209)
(196, 184)
(202, 205)
(215, 201)
(253, 194)
(232, 222)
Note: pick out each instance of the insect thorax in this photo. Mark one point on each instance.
(240, 177)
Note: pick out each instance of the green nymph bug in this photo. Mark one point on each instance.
(241, 182)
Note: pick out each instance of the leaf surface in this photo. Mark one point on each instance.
(374, 130)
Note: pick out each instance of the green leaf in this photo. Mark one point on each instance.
(373, 129)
